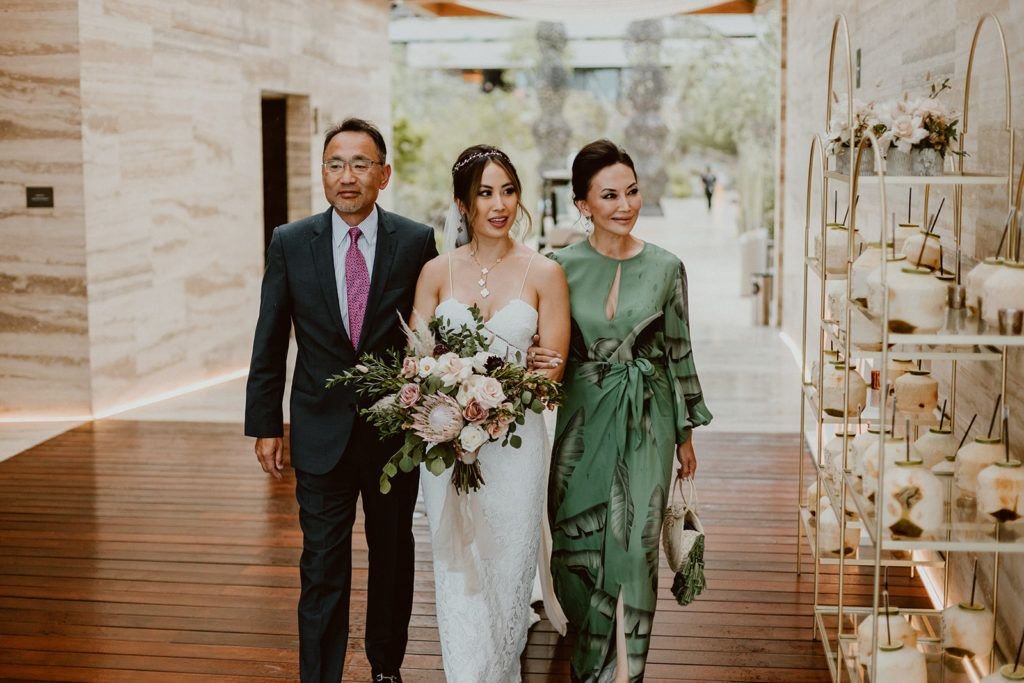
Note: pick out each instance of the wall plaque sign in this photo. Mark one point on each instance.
(39, 197)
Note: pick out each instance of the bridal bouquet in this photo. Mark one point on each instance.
(450, 395)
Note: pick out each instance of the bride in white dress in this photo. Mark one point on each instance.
(484, 578)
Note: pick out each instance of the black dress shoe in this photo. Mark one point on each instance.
(386, 678)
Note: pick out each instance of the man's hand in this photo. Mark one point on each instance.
(539, 358)
(270, 453)
(687, 459)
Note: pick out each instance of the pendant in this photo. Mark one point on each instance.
(484, 271)
(481, 282)
(485, 292)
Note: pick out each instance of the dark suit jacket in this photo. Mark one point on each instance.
(299, 289)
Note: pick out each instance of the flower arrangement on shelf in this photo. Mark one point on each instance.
(450, 396)
(921, 132)
(914, 134)
(839, 133)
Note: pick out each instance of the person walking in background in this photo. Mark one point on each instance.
(709, 180)
(340, 278)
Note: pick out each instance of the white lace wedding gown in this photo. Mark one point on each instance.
(484, 619)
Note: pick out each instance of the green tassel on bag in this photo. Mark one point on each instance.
(689, 582)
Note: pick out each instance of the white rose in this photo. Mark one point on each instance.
(489, 392)
(467, 390)
(427, 366)
(444, 362)
(472, 437)
(453, 369)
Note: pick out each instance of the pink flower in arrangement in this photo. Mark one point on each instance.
(437, 419)
(497, 429)
(474, 412)
(409, 368)
(489, 392)
(409, 394)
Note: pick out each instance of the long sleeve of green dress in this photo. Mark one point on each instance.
(687, 397)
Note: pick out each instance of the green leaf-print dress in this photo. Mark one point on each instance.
(632, 394)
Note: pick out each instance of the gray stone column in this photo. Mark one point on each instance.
(551, 130)
(646, 132)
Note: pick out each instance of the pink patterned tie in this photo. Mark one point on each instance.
(357, 285)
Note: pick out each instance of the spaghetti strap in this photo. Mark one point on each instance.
(522, 287)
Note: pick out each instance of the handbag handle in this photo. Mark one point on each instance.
(690, 501)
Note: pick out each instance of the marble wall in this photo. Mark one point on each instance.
(148, 276)
(902, 46)
(44, 333)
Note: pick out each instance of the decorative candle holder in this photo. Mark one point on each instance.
(833, 389)
(971, 460)
(904, 231)
(861, 444)
(900, 629)
(917, 393)
(976, 279)
(923, 250)
(1001, 490)
(876, 290)
(968, 630)
(834, 257)
(829, 539)
(1004, 289)
(936, 445)
(870, 260)
(895, 450)
(917, 301)
(914, 500)
(834, 454)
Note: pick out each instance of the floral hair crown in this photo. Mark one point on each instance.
(492, 153)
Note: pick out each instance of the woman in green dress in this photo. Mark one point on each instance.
(631, 400)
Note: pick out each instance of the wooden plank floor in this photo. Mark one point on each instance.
(154, 551)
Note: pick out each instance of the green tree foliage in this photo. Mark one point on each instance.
(436, 115)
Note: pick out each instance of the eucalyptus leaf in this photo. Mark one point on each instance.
(436, 466)
(515, 441)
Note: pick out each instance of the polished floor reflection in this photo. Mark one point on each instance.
(155, 551)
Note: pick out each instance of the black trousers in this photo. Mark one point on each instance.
(327, 512)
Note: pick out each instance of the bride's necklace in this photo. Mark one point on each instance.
(485, 270)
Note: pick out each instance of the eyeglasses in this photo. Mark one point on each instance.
(358, 166)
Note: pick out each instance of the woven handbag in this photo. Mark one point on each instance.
(683, 538)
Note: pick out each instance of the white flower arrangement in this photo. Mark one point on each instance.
(906, 124)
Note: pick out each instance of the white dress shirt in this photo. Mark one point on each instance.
(367, 245)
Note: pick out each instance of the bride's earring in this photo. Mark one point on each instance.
(588, 224)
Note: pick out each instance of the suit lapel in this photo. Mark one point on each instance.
(323, 259)
(383, 257)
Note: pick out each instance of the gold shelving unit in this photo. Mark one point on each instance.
(964, 530)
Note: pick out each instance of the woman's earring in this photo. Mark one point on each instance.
(588, 224)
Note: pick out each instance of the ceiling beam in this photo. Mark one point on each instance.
(452, 8)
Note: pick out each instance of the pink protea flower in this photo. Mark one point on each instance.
(438, 419)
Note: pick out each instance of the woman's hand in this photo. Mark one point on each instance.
(687, 459)
(539, 358)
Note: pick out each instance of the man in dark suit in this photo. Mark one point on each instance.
(341, 278)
